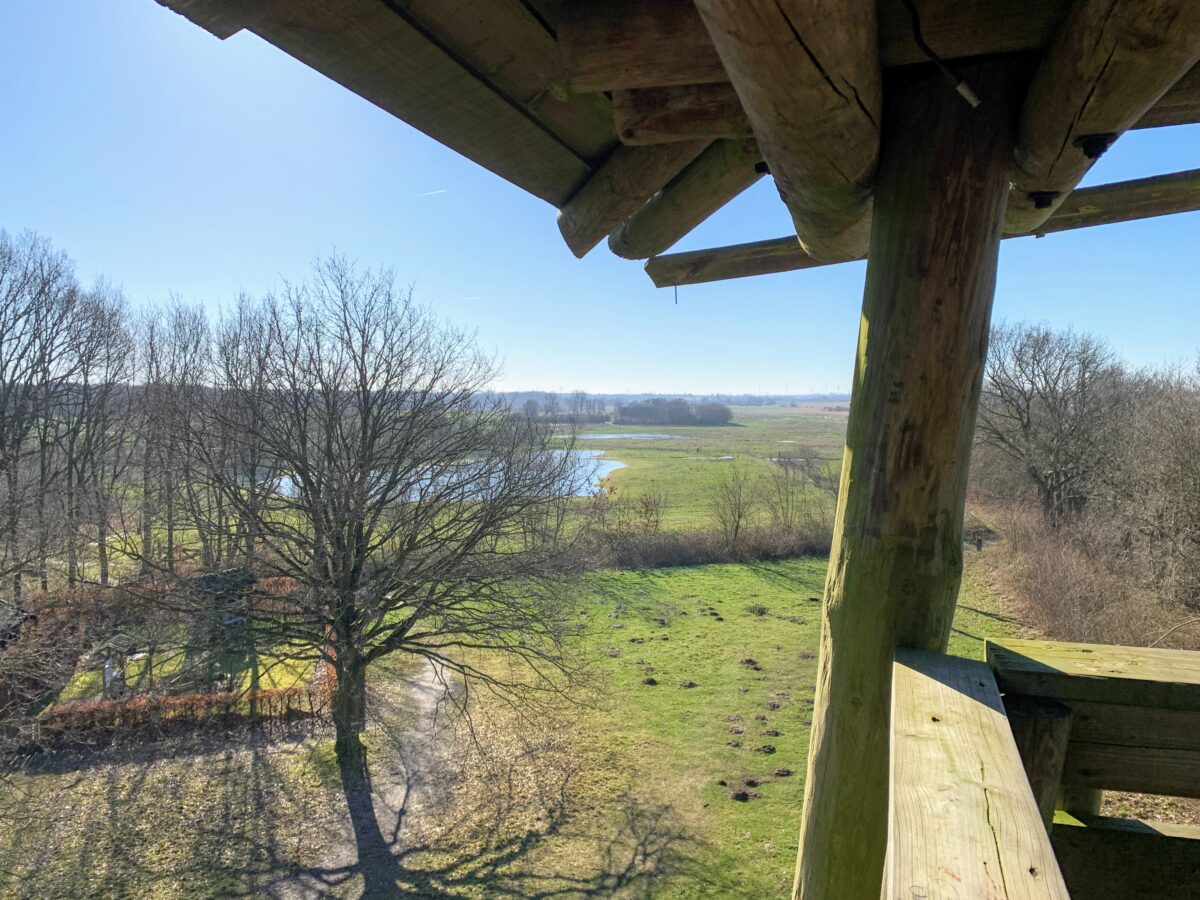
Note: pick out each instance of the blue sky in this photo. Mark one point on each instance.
(169, 161)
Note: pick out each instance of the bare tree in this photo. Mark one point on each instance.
(1049, 403)
(733, 499)
(409, 510)
(39, 307)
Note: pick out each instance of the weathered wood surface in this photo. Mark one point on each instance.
(1123, 201)
(1041, 729)
(716, 176)
(809, 79)
(1107, 66)
(1178, 106)
(660, 115)
(1098, 673)
(1136, 726)
(1127, 859)
(896, 561)
(510, 48)
(613, 44)
(1080, 799)
(962, 820)
(374, 51)
(665, 114)
(1142, 770)
(619, 188)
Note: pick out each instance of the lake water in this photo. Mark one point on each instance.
(599, 468)
(590, 471)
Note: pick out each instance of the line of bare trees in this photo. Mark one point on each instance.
(334, 439)
(1109, 457)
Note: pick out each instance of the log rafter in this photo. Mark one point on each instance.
(718, 175)
(613, 44)
(665, 114)
(1123, 201)
(1109, 63)
(809, 78)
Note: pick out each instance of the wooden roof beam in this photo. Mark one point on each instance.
(619, 188)
(1123, 201)
(809, 79)
(718, 175)
(612, 44)
(375, 50)
(664, 114)
(1108, 65)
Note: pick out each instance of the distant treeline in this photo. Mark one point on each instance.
(673, 412)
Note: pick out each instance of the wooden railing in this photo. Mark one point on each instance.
(963, 822)
(1089, 718)
(998, 769)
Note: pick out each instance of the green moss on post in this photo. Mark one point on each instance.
(896, 564)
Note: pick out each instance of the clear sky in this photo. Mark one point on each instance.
(169, 161)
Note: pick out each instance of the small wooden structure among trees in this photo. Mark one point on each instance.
(914, 133)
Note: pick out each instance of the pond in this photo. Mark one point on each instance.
(600, 468)
(590, 470)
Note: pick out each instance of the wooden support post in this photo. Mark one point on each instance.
(896, 562)
(1080, 799)
(1041, 728)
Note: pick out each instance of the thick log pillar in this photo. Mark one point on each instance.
(896, 563)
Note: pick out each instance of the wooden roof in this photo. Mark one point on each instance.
(637, 119)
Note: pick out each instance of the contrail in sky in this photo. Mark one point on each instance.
(431, 193)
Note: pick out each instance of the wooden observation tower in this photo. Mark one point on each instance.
(916, 134)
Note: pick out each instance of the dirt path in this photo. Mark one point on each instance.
(409, 742)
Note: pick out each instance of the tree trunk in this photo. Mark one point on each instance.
(102, 535)
(12, 542)
(147, 515)
(896, 562)
(350, 711)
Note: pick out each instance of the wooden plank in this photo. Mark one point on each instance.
(1097, 673)
(809, 79)
(614, 44)
(1120, 859)
(962, 821)
(1136, 726)
(665, 114)
(660, 115)
(509, 47)
(1123, 201)
(1041, 729)
(1142, 770)
(628, 178)
(895, 565)
(368, 48)
(1108, 65)
(718, 175)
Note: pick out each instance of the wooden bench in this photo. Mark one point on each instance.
(1132, 723)
(963, 823)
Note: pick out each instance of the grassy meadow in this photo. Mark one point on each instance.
(685, 465)
(616, 791)
(676, 771)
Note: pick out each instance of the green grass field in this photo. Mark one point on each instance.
(686, 465)
(643, 769)
(677, 771)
